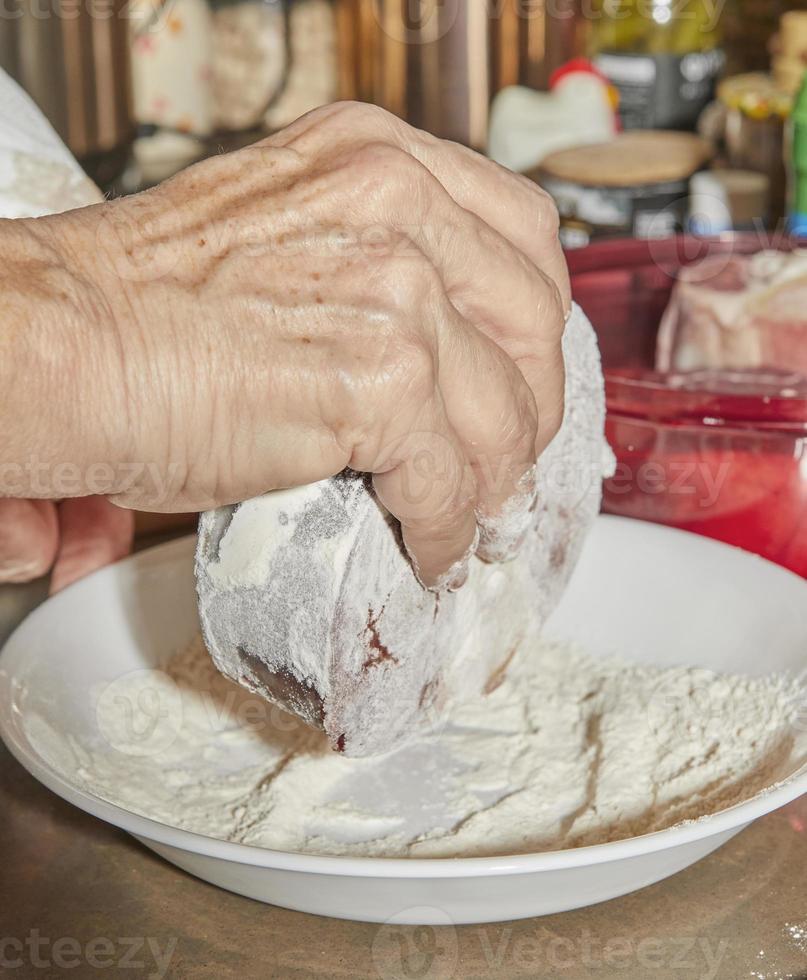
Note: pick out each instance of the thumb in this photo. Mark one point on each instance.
(93, 533)
(29, 534)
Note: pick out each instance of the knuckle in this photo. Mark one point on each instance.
(552, 312)
(391, 178)
(454, 508)
(548, 217)
(359, 112)
(378, 157)
(450, 508)
(382, 390)
(529, 415)
(397, 368)
(408, 282)
(550, 319)
(489, 240)
(514, 426)
(520, 429)
(412, 359)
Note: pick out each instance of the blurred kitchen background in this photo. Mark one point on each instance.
(671, 133)
(139, 88)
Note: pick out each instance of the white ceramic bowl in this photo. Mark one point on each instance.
(653, 594)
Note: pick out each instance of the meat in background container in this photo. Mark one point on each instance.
(704, 344)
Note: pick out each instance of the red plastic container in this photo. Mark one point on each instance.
(731, 465)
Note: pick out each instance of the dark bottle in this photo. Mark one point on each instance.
(663, 56)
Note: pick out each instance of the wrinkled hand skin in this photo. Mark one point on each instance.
(348, 292)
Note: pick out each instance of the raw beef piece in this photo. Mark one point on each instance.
(307, 598)
(739, 313)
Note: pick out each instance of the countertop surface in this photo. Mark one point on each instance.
(80, 898)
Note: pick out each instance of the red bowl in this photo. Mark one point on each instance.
(731, 465)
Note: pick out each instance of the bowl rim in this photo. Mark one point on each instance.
(650, 398)
(598, 256)
(723, 821)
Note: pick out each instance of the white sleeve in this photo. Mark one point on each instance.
(38, 174)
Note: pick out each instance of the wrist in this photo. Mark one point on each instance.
(59, 375)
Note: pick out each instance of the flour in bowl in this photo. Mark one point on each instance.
(568, 750)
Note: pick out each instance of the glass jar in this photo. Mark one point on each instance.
(663, 57)
(716, 460)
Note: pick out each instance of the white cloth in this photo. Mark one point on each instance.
(38, 174)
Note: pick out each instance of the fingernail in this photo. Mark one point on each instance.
(503, 548)
(503, 534)
(453, 579)
(17, 571)
(457, 575)
(459, 579)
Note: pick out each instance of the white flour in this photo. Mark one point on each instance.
(569, 750)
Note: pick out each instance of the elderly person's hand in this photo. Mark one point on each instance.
(349, 292)
(69, 539)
